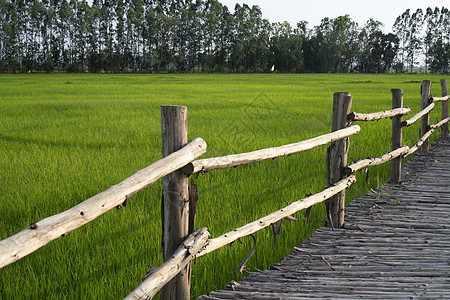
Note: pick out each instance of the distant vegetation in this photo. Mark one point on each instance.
(65, 138)
(205, 36)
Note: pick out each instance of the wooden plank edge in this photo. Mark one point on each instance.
(41, 233)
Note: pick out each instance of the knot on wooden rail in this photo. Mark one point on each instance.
(198, 240)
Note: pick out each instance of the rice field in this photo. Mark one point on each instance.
(67, 137)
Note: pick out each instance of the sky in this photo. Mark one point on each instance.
(313, 11)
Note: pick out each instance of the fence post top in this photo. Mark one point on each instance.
(343, 93)
(174, 106)
(426, 84)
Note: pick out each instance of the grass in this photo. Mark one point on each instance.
(64, 138)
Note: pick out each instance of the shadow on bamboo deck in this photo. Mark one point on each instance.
(395, 244)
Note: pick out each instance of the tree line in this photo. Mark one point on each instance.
(205, 36)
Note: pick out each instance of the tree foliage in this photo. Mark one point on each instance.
(205, 36)
(424, 35)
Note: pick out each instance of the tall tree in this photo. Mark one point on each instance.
(431, 21)
(369, 38)
(251, 35)
(400, 28)
(8, 42)
(204, 36)
(414, 41)
(286, 48)
(438, 41)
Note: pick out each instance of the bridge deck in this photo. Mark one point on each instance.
(395, 244)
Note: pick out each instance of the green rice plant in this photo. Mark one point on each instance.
(65, 138)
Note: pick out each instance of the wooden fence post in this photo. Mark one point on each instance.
(396, 164)
(444, 90)
(424, 127)
(175, 206)
(337, 158)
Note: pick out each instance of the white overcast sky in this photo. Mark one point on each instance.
(313, 11)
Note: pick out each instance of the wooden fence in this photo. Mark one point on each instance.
(181, 243)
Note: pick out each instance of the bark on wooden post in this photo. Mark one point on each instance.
(396, 164)
(424, 127)
(444, 89)
(176, 199)
(337, 158)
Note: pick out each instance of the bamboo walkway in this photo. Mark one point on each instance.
(395, 244)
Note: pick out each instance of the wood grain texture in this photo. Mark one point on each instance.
(425, 120)
(175, 223)
(397, 135)
(54, 227)
(394, 245)
(337, 160)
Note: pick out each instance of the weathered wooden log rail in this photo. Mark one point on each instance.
(209, 164)
(415, 118)
(181, 243)
(41, 233)
(353, 116)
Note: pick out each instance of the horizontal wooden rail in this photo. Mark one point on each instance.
(418, 116)
(437, 99)
(208, 164)
(426, 136)
(274, 217)
(354, 116)
(435, 126)
(54, 227)
(370, 162)
(193, 244)
(420, 142)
